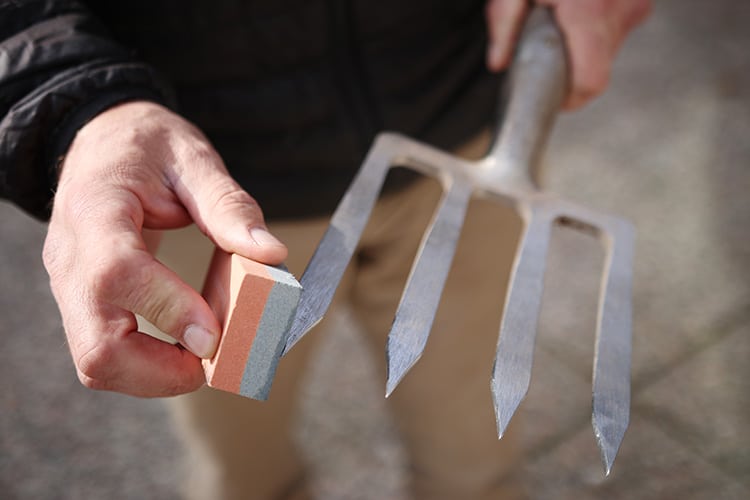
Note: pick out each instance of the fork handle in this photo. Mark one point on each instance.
(531, 98)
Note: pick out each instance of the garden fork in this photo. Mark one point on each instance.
(537, 85)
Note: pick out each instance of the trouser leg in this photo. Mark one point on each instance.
(239, 448)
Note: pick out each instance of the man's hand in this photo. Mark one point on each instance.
(139, 166)
(593, 31)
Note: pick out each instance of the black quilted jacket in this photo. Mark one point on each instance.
(291, 92)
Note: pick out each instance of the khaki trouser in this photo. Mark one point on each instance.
(242, 449)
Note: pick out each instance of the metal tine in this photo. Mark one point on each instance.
(511, 373)
(332, 256)
(424, 287)
(612, 352)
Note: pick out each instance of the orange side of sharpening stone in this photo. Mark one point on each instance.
(230, 278)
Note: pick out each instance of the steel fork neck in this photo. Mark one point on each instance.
(534, 91)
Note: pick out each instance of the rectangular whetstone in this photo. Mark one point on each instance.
(255, 304)
(274, 326)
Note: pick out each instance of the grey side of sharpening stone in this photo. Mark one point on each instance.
(270, 338)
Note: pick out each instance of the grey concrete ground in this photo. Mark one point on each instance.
(668, 147)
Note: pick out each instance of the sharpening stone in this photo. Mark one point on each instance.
(255, 304)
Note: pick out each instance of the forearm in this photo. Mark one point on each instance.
(60, 69)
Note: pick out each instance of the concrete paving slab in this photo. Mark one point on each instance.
(558, 404)
(671, 153)
(345, 432)
(705, 404)
(651, 466)
(58, 439)
(567, 322)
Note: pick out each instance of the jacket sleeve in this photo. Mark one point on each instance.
(58, 69)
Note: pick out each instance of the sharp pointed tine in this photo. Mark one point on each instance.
(612, 354)
(515, 349)
(327, 266)
(419, 302)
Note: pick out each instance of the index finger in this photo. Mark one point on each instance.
(123, 273)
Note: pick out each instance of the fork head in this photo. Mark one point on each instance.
(537, 87)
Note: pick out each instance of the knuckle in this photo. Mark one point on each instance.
(132, 282)
(167, 315)
(592, 86)
(57, 264)
(116, 276)
(156, 301)
(227, 199)
(92, 383)
(193, 149)
(94, 367)
(105, 277)
(598, 80)
(51, 252)
(77, 203)
(201, 151)
(183, 385)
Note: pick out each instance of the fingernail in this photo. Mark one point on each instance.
(199, 341)
(261, 237)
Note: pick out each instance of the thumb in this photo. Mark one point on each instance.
(226, 213)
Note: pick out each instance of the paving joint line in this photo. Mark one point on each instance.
(677, 429)
(569, 363)
(731, 322)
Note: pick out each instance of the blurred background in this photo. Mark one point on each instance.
(668, 146)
